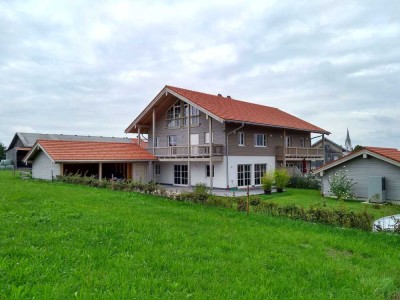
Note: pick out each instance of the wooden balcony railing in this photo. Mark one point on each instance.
(299, 152)
(187, 151)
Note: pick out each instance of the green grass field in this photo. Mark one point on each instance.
(308, 198)
(63, 241)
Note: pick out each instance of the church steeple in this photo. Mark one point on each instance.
(347, 143)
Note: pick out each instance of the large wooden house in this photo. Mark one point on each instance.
(221, 141)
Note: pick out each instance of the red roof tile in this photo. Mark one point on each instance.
(236, 110)
(94, 151)
(391, 153)
(143, 143)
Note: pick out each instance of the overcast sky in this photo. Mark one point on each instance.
(90, 67)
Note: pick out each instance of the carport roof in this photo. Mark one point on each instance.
(80, 151)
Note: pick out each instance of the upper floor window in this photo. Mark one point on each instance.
(172, 140)
(302, 143)
(177, 115)
(194, 115)
(260, 140)
(241, 139)
(288, 141)
(156, 142)
(207, 137)
(174, 115)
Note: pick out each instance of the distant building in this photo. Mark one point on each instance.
(347, 143)
(332, 151)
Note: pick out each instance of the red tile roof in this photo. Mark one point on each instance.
(236, 110)
(391, 153)
(93, 151)
(143, 143)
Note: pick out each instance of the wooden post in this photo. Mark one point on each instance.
(100, 171)
(284, 148)
(138, 136)
(189, 149)
(248, 200)
(154, 129)
(323, 147)
(211, 152)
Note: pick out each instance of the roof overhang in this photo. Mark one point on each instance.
(354, 155)
(148, 110)
(276, 126)
(32, 153)
(103, 161)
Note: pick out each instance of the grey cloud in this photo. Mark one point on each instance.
(90, 67)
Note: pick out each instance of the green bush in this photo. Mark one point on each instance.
(305, 182)
(241, 204)
(281, 178)
(267, 180)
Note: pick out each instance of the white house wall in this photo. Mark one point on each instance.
(198, 170)
(234, 161)
(360, 169)
(44, 168)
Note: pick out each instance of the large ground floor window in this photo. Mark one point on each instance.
(259, 170)
(181, 174)
(244, 175)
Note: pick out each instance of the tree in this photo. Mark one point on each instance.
(358, 147)
(2, 151)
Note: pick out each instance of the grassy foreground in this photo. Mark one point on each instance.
(62, 241)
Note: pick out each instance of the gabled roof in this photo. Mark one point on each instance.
(226, 109)
(390, 155)
(143, 143)
(329, 141)
(29, 139)
(77, 151)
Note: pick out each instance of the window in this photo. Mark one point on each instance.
(207, 137)
(260, 140)
(172, 140)
(158, 169)
(302, 143)
(173, 115)
(208, 171)
(194, 115)
(178, 113)
(241, 139)
(244, 175)
(259, 170)
(181, 174)
(156, 144)
(288, 141)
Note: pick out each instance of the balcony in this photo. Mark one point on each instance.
(194, 152)
(299, 153)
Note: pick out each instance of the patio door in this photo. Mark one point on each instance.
(194, 141)
(180, 174)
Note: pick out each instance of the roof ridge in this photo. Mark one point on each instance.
(102, 142)
(226, 98)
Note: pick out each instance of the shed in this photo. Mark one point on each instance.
(364, 166)
(100, 159)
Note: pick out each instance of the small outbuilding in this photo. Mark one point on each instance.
(50, 158)
(22, 142)
(376, 172)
